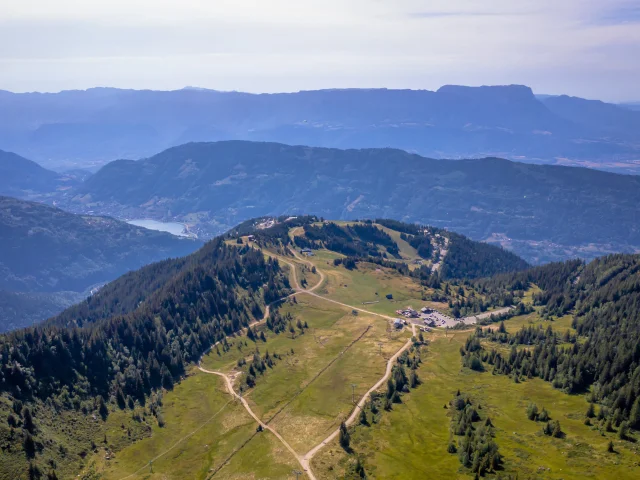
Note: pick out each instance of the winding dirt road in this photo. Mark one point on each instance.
(305, 460)
(233, 393)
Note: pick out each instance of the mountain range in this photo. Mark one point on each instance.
(86, 129)
(541, 212)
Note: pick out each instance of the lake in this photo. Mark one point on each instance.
(170, 227)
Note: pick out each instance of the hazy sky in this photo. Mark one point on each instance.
(579, 47)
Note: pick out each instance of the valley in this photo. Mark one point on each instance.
(51, 259)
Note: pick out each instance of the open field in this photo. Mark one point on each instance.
(533, 319)
(321, 318)
(263, 457)
(411, 441)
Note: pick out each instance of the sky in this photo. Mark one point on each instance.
(584, 48)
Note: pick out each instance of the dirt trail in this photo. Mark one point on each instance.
(306, 460)
(295, 276)
(233, 393)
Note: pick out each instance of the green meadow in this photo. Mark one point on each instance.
(410, 442)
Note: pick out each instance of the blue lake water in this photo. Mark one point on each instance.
(170, 227)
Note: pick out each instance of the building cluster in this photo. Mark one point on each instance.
(430, 317)
(408, 313)
(398, 323)
(268, 223)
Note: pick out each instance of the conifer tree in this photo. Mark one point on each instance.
(634, 415)
(345, 438)
(623, 431)
(363, 417)
(28, 420)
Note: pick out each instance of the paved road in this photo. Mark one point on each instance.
(481, 316)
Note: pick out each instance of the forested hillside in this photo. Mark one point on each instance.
(46, 249)
(468, 259)
(452, 256)
(540, 212)
(128, 343)
(602, 357)
(93, 379)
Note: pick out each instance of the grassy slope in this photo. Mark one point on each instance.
(363, 283)
(199, 401)
(264, 457)
(319, 404)
(72, 435)
(411, 441)
(326, 401)
(407, 252)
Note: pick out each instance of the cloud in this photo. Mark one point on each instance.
(573, 46)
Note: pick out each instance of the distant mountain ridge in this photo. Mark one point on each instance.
(49, 258)
(89, 128)
(22, 177)
(595, 115)
(47, 249)
(541, 212)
